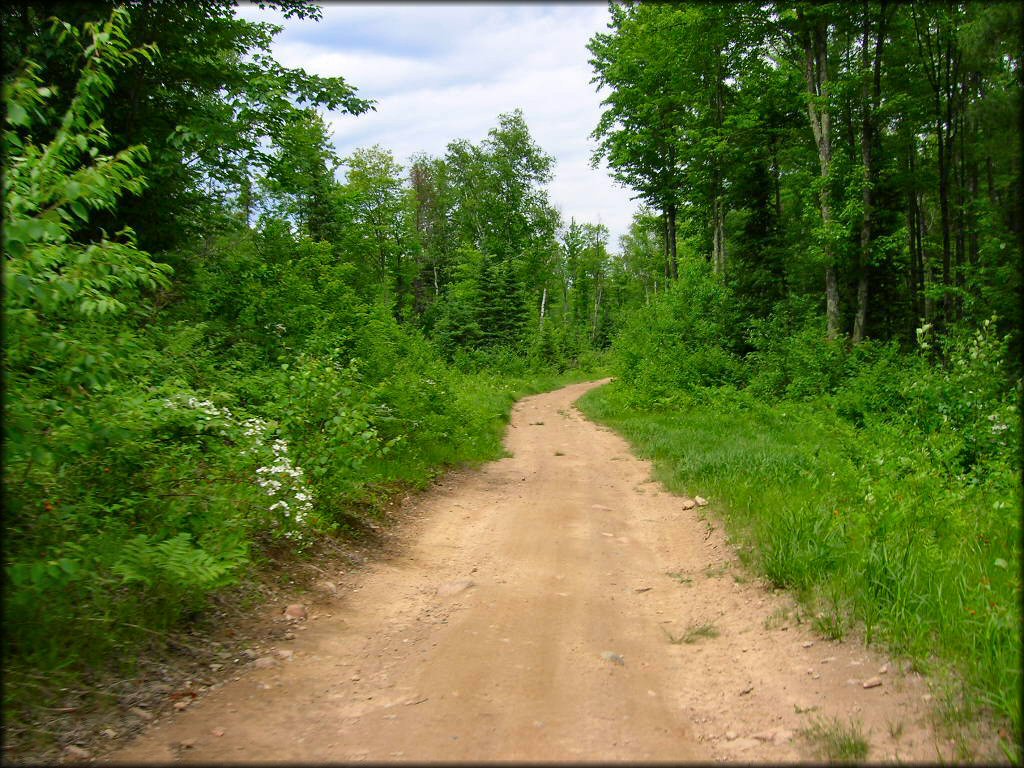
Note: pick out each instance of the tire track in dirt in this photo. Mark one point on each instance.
(537, 612)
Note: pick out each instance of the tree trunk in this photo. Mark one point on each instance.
(927, 279)
(815, 45)
(912, 243)
(718, 202)
(673, 259)
(718, 235)
(869, 103)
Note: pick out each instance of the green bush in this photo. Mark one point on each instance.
(792, 357)
(682, 341)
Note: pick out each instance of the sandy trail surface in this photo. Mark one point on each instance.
(548, 607)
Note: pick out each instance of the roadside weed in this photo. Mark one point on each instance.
(837, 742)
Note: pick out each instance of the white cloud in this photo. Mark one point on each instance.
(441, 72)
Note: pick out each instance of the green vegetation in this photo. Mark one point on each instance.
(692, 634)
(224, 343)
(217, 353)
(698, 631)
(901, 513)
(863, 441)
(836, 742)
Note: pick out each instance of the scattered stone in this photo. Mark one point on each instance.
(746, 690)
(182, 704)
(327, 586)
(700, 501)
(141, 713)
(872, 682)
(689, 504)
(265, 662)
(730, 735)
(216, 667)
(884, 669)
(285, 654)
(188, 743)
(454, 587)
(613, 657)
(110, 733)
(250, 654)
(828, 659)
(642, 589)
(295, 611)
(289, 635)
(609, 535)
(807, 644)
(765, 736)
(75, 752)
(218, 732)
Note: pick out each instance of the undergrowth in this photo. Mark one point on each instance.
(886, 494)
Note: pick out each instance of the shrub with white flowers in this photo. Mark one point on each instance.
(291, 499)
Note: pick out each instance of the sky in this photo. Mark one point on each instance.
(445, 71)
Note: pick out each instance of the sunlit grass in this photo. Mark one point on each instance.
(862, 525)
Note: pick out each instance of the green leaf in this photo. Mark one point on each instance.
(17, 114)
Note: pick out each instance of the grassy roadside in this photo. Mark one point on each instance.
(49, 707)
(861, 526)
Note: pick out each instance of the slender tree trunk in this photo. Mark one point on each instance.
(673, 259)
(869, 104)
(776, 182)
(915, 270)
(947, 298)
(718, 235)
(924, 228)
(718, 199)
(597, 311)
(912, 235)
(815, 45)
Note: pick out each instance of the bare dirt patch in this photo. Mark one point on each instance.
(555, 605)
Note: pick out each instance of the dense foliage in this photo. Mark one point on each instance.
(870, 150)
(863, 440)
(223, 341)
(215, 348)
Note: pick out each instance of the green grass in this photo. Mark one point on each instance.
(865, 526)
(837, 742)
(693, 634)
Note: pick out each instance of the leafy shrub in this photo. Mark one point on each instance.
(792, 357)
(682, 341)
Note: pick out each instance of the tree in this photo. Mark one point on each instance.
(51, 278)
(638, 132)
(204, 107)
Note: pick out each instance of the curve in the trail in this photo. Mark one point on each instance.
(544, 608)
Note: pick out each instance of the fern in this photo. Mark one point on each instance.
(176, 565)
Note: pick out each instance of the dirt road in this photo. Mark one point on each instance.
(556, 605)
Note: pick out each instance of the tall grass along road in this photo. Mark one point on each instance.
(557, 604)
